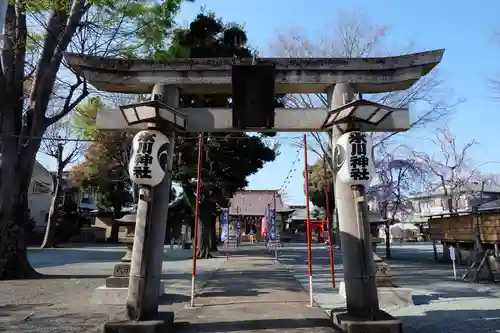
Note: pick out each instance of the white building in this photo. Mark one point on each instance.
(436, 202)
(420, 206)
(40, 195)
(86, 201)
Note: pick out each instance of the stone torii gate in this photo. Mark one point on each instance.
(248, 80)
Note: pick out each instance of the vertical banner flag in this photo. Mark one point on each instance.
(263, 226)
(268, 227)
(225, 225)
(272, 233)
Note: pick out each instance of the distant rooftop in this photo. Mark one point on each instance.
(471, 188)
(255, 202)
(299, 213)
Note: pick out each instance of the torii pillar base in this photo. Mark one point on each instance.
(382, 322)
(163, 323)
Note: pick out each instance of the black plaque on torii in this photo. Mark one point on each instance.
(253, 95)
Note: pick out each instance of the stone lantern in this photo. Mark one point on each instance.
(128, 221)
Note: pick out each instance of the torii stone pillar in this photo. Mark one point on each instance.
(359, 270)
(152, 212)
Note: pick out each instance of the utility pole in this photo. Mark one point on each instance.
(238, 226)
(275, 216)
(274, 200)
(268, 223)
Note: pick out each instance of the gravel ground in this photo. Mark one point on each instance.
(442, 305)
(62, 303)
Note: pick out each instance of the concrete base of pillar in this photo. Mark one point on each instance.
(164, 324)
(117, 282)
(382, 323)
(388, 296)
(115, 296)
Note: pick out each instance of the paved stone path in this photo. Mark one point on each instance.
(61, 303)
(442, 305)
(252, 293)
(244, 293)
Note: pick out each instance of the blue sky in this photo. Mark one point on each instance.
(464, 28)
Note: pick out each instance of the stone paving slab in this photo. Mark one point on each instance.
(62, 301)
(252, 294)
(441, 304)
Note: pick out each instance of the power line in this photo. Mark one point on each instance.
(220, 137)
(283, 186)
(286, 181)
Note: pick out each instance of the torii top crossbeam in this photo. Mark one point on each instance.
(292, 75)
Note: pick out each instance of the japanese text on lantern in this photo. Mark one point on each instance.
(143, 156)
(358, 160)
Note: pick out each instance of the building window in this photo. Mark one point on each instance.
(41, 187)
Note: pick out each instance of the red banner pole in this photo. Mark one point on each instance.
(196, 216)
(308, 224)
(330, 222)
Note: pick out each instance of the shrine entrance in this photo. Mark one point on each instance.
(319, 228)
(253, 85)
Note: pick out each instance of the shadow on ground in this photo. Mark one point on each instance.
(165, 276)
(27, 318)
(229, 284)
(449, 293)
(168, 299)
(412, 267)
(434, 321)
(287, 325)
(454, 321)
(8, 309)
(43, 258)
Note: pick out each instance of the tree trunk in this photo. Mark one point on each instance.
(387, 241)
(213, 236)
(114, 233)
(115, 228)
(14, 213)
(49, 240)
(203, 251)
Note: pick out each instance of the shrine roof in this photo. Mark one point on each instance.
(254, 202)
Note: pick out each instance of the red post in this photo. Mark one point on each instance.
(330, 222)
(196, 216)
(308, 223)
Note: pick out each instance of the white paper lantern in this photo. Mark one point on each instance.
(148, 161)
(353, 158)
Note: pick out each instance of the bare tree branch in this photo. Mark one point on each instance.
(72, 148)
(354, 36)
(450, 166)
